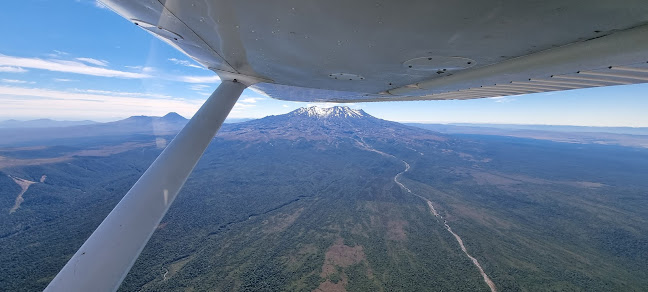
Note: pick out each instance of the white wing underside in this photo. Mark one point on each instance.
(363, 51)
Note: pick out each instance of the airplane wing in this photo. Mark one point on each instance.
(364, 51)
(353, 51)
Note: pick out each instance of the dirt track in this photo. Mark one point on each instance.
(363, 145)
(434, 212)
(24, 185)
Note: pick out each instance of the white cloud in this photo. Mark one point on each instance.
(124, 93)
(502, 99)
(64, 80)
(199, 79)
(245, 103)
(92, 104)
(240, 109)
(57, 54)
(11, 69)
(250, 99)
(93, 67)
(285, 105)
(16, 81)
(66, 66)
(145, 69)
(92, 61)
(185, 63)
(98, 4)
(199, 87)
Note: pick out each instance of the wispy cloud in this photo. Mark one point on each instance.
(95, 67)
(64, 80)
(98, 4)
(240, 109)
(66, 66)
(194, 79)
(502, 99)
(143, 69)
(185, 63)
(245, 103)
(92, 61)
(250, 99)
(199, 79)
(199, 87)
(240, 105)
(123, 93)
(15, 81)
(57, 54)
(95, 104)
(11, 69)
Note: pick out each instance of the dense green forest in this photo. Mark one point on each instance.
(300, 213)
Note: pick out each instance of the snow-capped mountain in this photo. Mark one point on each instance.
(323, 124)
(336, 111)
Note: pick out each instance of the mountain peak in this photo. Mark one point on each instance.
(172, 116)
(336, 111)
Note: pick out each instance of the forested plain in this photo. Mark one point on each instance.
(300, 214)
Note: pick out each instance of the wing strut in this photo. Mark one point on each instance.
(103, 261)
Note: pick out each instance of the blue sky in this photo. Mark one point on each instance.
(76, 60)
